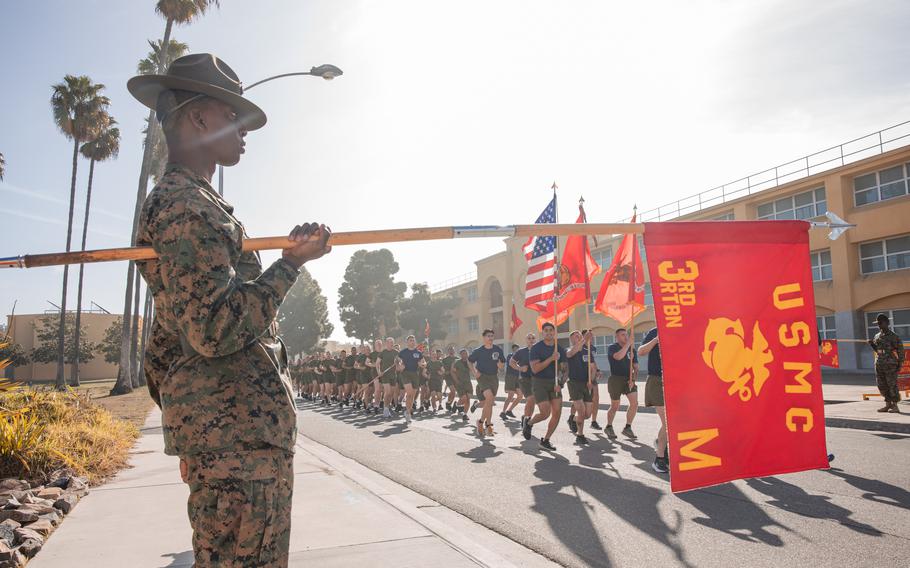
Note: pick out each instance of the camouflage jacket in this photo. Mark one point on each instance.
(889, 349)
(214, 362)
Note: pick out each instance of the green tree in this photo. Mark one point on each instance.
(12, 355)
(2, 166)
(47, 330)
(110, 343)
(105, 146)
(80, 112)
(173, 12)
(421, 307)
(303, 318)
(369, 296)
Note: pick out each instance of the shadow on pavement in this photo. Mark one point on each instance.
(734, 514)
(179, 559)
(481, 453)
(563, 497)
(797, 500)
(875, 490)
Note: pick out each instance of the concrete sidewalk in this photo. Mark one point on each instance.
(343, 515)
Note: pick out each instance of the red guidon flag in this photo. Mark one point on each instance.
(573, 281)
(738, 340)
(827, 352)
(516, 322)
(622, 293)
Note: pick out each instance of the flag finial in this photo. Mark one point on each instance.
(581, 200)
(553, 187)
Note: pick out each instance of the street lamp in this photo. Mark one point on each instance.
(326, 71)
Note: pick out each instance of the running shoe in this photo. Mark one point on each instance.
(490, 431)
(581, 440)
(504, 416)
(407, 416)
(595, 425)
(464, 417)
(509, 414)
(545, 444)
(524, 420)
(448, 406)
(526, 429)
(480, 428)
(609, 432)
(386, 413)
(573, 426)
(830, 458)
(473, 406)
(628, 433)
(659, 466)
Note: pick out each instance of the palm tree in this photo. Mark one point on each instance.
(79, 110)
(179, 12)
(149, 66)
(105, 147)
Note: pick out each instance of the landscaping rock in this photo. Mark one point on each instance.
(11, 503)
(19, 515)
(38, 509)
(54, 517)
(7, 534)
(12, 484)
(77, 485)
(49, 493)
(43, 527)
(66, 502)
(60, 482)
(10, 558)
(32, 500)
(30, 547)
(11, 523)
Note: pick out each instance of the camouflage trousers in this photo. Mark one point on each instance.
(887, 384)
(240, 507)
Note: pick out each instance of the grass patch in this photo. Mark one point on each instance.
(42, 430)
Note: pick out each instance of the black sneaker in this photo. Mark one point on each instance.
(628, 433)
(573, 426)
(595, 425)
(473, 406)
(609, 432)
(524, 420)
(545, 444)
(526, 429)
(504, 416)
(581, 440)
(464, 417)
(509, 414)
(830, 458)
(448, 406)
(659, 465)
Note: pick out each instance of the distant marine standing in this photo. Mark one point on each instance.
(889, 356)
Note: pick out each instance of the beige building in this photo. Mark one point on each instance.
(864, 272)
(23, 330)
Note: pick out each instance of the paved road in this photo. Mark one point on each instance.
(603, 506)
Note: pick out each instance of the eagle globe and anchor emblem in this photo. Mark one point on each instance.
(743, 366)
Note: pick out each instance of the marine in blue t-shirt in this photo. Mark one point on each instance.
(486, 361)
(544, 357)
(654, 396)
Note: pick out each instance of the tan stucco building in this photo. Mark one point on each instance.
(23, 330)
(864, 272)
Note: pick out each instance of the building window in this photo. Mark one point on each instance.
(453, 327)
(473, 323)
(649, 298)
(804, 205)
(821, 265)
(885, 256)
(900, 322)
(880, 185)
(826, 328)
(728, 216)
(603, 257)
(471, 294)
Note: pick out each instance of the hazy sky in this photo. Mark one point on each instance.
(449, 113)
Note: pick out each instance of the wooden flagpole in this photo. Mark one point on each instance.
(555, 291)
(337, 239)
(632, 284)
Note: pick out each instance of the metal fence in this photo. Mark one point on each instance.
(454, 281)
(851, 151)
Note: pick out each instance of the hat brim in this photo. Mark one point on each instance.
(146, 88)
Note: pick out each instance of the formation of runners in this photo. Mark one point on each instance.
(403, 382)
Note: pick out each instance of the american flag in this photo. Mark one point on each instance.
(540, 284)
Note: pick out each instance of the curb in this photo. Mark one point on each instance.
(859, 424)
(460, 542)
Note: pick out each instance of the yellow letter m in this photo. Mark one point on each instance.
(699, 460)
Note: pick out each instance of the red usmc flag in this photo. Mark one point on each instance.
(736, 320)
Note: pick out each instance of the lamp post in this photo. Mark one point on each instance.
(326, 71)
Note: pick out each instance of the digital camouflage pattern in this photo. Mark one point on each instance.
(215, 364)
(219, 372)
(889, 356)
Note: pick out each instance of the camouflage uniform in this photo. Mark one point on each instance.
(219, 372)
(889, 350)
